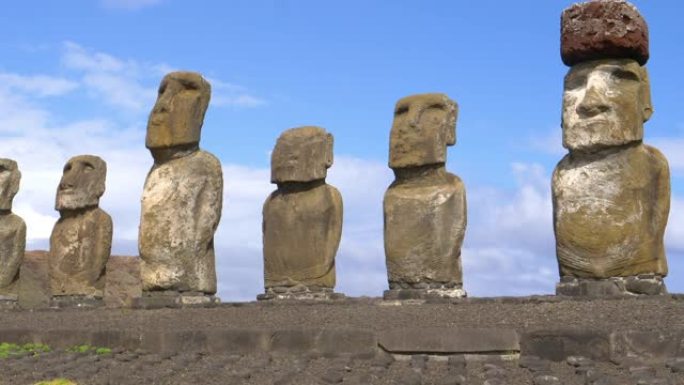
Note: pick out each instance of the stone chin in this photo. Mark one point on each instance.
(67, 201)
(597, 135)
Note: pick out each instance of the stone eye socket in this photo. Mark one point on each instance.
(401, 110)
(88, 167)
(575, 81)
(67, 167)
(621, 74)
(162, 88)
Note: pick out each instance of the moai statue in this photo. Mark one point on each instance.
(81, 240)
(182, 197)
(425, 207)
(611, 192)
(12, 231)
(302, 219)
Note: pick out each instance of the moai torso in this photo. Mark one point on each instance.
(425, 207)
(610, 212)
(611, 193)
(81, 240)
(302, 219)
(80, 246)
(12, 229)
(183, 193)
(181, 208)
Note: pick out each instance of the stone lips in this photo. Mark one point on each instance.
(603, 29)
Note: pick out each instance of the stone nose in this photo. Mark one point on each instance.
(593, 102)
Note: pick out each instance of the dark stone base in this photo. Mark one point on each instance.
(300, 293)
(76, 301)
(174, 299)
(611, 287)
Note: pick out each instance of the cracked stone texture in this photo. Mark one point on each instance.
(425, 207)
(603, 29)
(302, 219)
(611, 193)
(183, 193)
(12, 229)
(81, 240)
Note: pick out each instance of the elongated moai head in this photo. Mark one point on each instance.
(82, 184)
(424, 125)
(302, 154)
(9, 182)
(177, 116)
(606, 94)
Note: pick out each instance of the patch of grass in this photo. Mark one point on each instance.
(58, 381)
(89, 349)
(8, 350)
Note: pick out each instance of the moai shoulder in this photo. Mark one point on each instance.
(302, 219)
(611, 192)
(12, 230)
(183, 193)
(81, 240)
(425, 207)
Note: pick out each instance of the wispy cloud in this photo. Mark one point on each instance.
(37, 85)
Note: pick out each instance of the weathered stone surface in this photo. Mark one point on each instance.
(603, 29)
(178, 113)
(302, 219)
(302, 154)
(424, 125)
(449, 341)
(123, 283)
(34, 281)
(81, 240)
(610, 287)
(611, 193)
(645, 345)
(12, 230)
(425, 207)
(182, 197)
(557, 345)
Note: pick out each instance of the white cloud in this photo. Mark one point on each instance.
(129, 4)
(37, 85)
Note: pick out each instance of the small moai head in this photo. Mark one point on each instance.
(9, 182)
(82, 184)
(177, 116)
(424, 125)
(606, 93)
(302, 154)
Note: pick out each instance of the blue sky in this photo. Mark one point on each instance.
(80, 77)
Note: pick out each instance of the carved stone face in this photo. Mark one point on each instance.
(82, 184)
(302, 155)
(177, 116)
(9, 182)
(424, 125)
(605, 103)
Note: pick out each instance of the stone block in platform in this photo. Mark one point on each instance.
(174, 299)
(646, 345)
(423, 294)
(300, 293)
(559, 344)
(611, 287)
(449, 341)
(34, 281)
(123, 283)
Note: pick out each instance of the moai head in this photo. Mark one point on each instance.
(82, 184)
(177, 116)
(424, 125)
(302, 154)
(606, 94)
(9, 182)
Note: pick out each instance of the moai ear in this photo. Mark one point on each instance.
(16, 179)
(452, 115)
(328, 150)
(645, 96)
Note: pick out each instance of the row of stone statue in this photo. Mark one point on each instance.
(610, 192)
